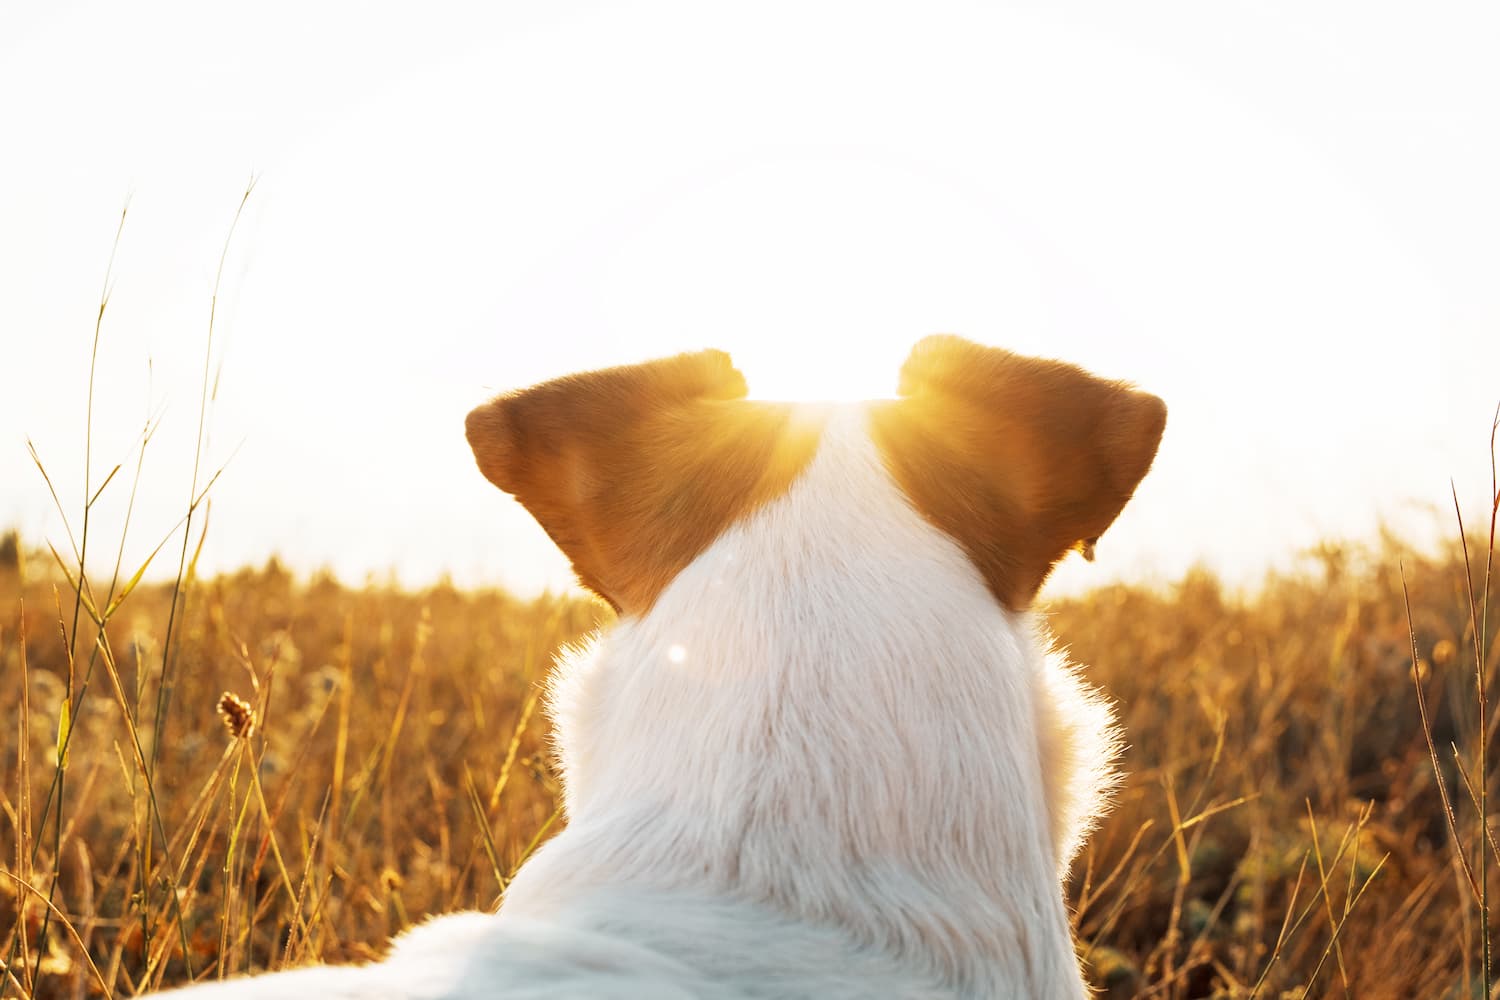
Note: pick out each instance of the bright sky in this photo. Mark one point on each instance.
(1282, 217)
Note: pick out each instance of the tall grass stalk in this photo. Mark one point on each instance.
(1477, 605)
(164, 688)
(64, 734)
(184, 577)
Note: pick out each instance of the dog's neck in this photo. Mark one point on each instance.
(844, 724)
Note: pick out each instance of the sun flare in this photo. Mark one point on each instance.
(787, 369)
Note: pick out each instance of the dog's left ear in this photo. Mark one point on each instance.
(1019, 459)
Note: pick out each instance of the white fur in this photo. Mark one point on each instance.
(826, 764)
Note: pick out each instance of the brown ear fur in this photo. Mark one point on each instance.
(634, 470)
(1019, 459)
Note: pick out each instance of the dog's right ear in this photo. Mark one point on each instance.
(634, 470)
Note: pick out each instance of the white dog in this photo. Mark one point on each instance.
(825, 752)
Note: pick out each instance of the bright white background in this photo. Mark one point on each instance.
(1282, 217)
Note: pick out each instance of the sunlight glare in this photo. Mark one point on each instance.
(794, 369)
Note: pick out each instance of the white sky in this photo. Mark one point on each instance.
(1282, 217)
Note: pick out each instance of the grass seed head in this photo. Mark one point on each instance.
(238, 716)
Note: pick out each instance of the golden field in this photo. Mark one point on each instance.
(1280, 831)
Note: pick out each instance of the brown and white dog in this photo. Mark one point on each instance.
(826, 751)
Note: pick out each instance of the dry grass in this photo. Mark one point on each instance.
(382, 753)
(1278, 769)
(1297, 706)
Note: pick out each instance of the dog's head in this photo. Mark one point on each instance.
(634, 471)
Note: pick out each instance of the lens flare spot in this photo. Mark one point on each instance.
(677, 653)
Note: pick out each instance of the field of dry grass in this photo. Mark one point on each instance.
(1281, 832)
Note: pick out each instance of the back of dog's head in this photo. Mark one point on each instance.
(823, 692)
(634, 471)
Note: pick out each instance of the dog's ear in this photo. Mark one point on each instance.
(1019, 459)
(634, 470)
(520, 436)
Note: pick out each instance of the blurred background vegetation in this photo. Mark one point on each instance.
(1280, 832)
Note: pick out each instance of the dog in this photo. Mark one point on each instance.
(827, 750)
